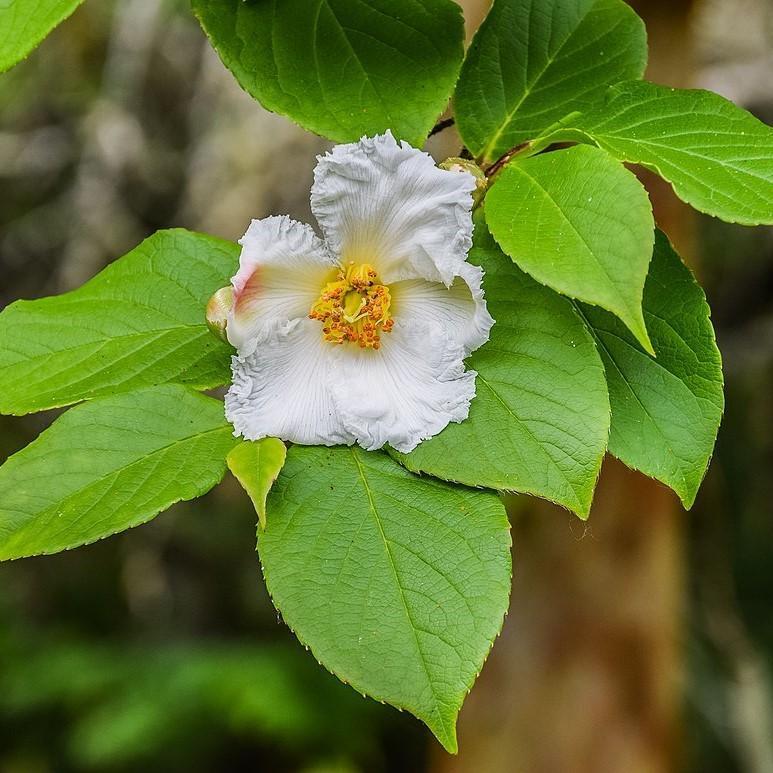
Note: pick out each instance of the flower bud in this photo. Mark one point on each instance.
(454, 164)
(218, 309)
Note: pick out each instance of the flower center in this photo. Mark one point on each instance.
(354, 307)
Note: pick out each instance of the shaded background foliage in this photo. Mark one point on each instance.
(159, 649)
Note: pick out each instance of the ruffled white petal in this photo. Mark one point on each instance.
(405, 392)
(282, 269)
(282, 389)
(387, 204)
(459, 309)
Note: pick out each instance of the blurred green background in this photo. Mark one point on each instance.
(159, 650)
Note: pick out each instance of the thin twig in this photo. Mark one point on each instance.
(440, 125)
(506, 158)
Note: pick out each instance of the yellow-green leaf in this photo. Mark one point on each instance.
(138, 323)
(717, 157)
(666, 409)
(579, 222)
(111, 464)
(256, 464)
(398, 584)
(24, 24)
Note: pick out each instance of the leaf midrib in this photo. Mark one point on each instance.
(62, 503)
(530, 87)
(578, 503)
(411, 624)
(557, 208)
(366, 77)
(100, 343)
(655, 424)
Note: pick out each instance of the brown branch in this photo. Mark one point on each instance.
(440, 125)
(506, 158)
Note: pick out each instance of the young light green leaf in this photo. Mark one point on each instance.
(140, 322)
(579, 222)
(256, 464)
(398, 585)
(665, 411)
(540, 418)
(717, 157)
(108, 465)
(533, 61)
(342, 68)
(24, 24)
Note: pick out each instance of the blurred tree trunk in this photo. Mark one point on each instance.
(587, 675)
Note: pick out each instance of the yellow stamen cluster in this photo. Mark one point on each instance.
(354, 307)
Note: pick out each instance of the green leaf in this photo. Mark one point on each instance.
(256, 466)
(140, 322)
(534, 61)
(24, 24)
(717, 157)
(109, 465)
(540, 418)
(665, 411)
(579, 222)
(398, 585)
(342, 68)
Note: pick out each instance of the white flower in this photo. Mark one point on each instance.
(360, 337)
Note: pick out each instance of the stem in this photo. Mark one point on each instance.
(506, 158)
(440, 125)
